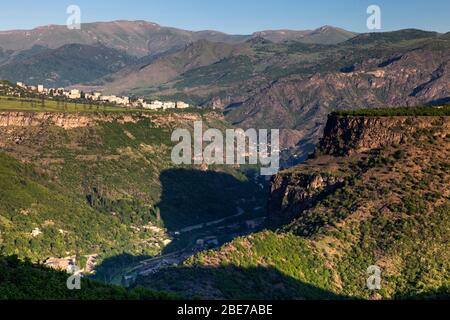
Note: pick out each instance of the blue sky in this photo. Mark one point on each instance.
(234, 16)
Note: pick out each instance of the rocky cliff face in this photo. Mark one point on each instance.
(80, 120)
(346, 140)
(31, 119)
(296, 191)
(344, 135)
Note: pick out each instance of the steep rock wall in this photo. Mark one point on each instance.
(294, 192)
(299, 188)
(79, 120)
(344, 135)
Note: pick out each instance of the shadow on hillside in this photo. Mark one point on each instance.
(233, 283)
(193, 197)
(111, 269)
(190, 199)
(439, 102)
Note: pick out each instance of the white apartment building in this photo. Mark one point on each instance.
(169, 105)
(97, 96)
(151, 106)
(157, 104)
(125, 100)
(182, 105)
(74, 94)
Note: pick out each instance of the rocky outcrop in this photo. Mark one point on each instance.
(293, 192)
(80, 120)
(300, 188)
(344, 135)
(32, 119)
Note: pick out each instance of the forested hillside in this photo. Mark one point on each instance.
(21, 280)
(102, 184)
(375, 193)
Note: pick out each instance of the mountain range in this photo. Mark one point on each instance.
(131, 40)
(141, 38)
(275, 78)
(293, 85)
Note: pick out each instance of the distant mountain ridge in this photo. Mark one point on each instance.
(168, 67)
(322, 35)
(141, 38)
(27, 55)
(292, 85)
(66, 65)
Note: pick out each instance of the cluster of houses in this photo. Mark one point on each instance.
(156, 105)
(69, 264)
(98, 97)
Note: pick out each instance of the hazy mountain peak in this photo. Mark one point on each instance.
(323, 35)
(326, 28)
